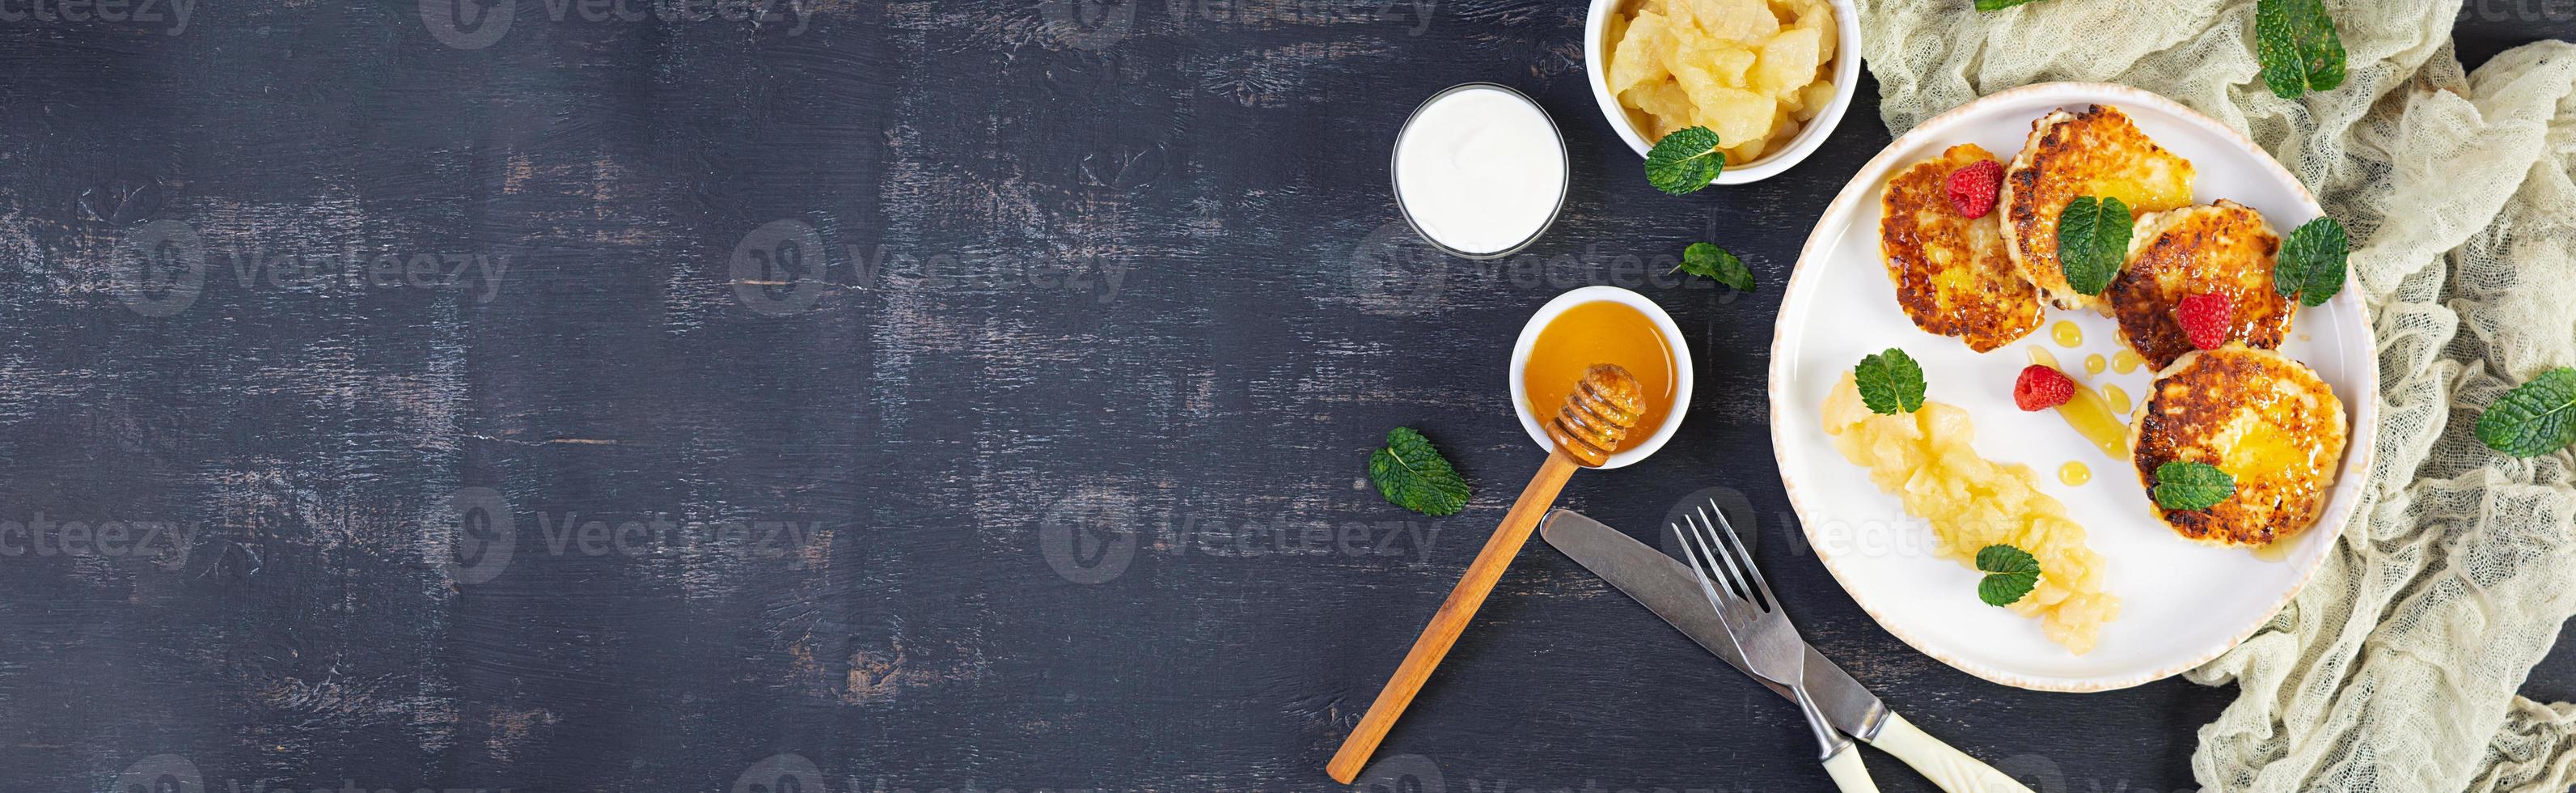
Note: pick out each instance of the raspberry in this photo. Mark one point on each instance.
(2205, 319)
(1972, 189)
(2041, 388)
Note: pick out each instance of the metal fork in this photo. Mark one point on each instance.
(1762, 634)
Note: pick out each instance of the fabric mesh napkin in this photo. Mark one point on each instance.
(2396, 669)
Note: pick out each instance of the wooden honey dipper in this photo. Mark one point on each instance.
(1593, 421)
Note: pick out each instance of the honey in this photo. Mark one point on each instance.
(2118, 397)
(2254, 448)
(2074, 473)
(2089, 413)
(1601, 332)
(2067, 333)
(2125, 362)
(2144, 194)
(2274, 551)
(2093, 364)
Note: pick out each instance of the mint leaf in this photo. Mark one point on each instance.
(1412, 475)
(1685, 161)
(2092, 242)
(2311, 264)
(2183, 484)
(1998, 5)
(2010, 574)
(2534, 418)
(2295, 41)
(1714, 263)
(1890, 382)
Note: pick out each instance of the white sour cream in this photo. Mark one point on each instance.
(1480, 170)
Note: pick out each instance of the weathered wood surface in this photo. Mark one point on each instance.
(1139, 273)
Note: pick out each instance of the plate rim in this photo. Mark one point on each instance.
(2363, 435)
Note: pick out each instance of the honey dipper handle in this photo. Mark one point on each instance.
(1452, 617)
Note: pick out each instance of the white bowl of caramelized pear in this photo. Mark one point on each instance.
(1770, 77)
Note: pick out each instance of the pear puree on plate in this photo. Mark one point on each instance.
(1971, 502)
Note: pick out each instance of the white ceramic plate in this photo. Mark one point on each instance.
(2182, 603)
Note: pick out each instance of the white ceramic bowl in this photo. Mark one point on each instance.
(2182, 603)
(1682, 372)
(1771, 163)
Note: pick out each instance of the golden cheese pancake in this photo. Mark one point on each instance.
(2098, 153)
(2223, 248)
(2264, 419)
(1951, 272)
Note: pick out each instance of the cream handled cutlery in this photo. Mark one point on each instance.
(1668, 589)
(1949, 768)
(1760, 629)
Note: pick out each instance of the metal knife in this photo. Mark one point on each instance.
(1666, 588)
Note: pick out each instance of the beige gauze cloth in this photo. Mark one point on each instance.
(2396, 669)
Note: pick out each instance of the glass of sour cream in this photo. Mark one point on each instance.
(1479, 170)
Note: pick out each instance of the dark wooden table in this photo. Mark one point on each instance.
(467, 463)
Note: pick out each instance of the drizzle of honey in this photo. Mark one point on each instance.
(2118, 397)
(1601, 332)
(2074, 473)
(2253, 447)
(2094, 364)
(2144, 192)
(2125, 362)
(2067, 333)
(2089, 413)
(2274, 551)
(2041, 355)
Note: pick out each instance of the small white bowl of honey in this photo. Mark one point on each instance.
(1594, 325)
